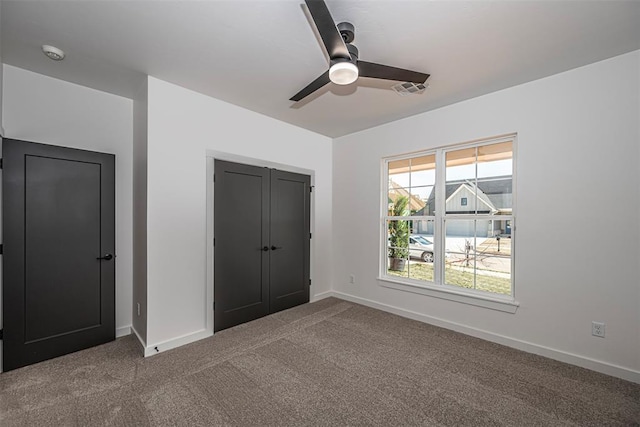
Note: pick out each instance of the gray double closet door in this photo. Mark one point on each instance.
(261, 242)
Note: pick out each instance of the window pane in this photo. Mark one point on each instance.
(398, 186)
(398, 267)
(495, 160)
(495, 170)
(398, 233)
(464, 157)
(421, 271)
(495, 195)
(461, 183)
(423, 171)
(399, 166)
(479, 180)
(421, 251)
(398, 247)
(493, 274)
(423, 227)
(460, 249)
(399, 173)
(493, 265)
(421, 245)
(419, 204)
(475, 260)
(399, 203)
(411, 249)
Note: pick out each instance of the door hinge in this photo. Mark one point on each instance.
(311, 189)
(1, 249)
(1, 334)
(310, 235)
(309, 282)
(1, 164)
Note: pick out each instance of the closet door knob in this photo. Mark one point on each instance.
(265, 249)
(273, 248)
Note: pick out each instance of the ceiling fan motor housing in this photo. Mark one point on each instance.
(347, 31)
(353, 51)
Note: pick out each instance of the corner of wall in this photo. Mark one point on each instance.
(140, 135)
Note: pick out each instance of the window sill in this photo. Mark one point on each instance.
(507, 304)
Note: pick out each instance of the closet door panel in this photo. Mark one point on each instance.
(290, 240)
(241, 230)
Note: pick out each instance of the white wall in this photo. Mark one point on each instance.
(140, 126)
(42, 109)
(183, 126)
(579, 141)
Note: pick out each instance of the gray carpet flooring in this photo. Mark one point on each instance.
(329, 363)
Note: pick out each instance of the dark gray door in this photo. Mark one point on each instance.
(289, 257)
(59, 241)
(241, 230)
(261, 230)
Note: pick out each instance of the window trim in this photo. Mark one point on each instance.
(438, 288)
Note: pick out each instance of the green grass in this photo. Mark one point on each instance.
(456, 277)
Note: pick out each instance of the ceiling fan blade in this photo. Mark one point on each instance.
(312, 87)
(336, 48)
(379, 71)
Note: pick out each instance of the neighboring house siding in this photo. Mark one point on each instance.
(454, 202)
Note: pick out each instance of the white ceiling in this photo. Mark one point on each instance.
(257, 54)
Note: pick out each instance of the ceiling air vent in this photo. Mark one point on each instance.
(408, 88)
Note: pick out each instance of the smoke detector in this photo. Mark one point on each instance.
(53, 52)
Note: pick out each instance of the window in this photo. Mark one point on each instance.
(448, 219)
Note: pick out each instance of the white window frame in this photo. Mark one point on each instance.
(438, 288)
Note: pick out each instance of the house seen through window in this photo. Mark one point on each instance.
(448, 218)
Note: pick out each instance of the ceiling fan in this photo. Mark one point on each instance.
(345, 67)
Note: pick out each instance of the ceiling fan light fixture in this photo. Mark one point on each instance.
(343, 73)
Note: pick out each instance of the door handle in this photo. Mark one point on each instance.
(265, 249)
(107, 257)
(273, 248)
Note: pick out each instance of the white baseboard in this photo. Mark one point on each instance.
(123, 332)
(153, 349)
(562, 356)
(143, 345)
(321, 295)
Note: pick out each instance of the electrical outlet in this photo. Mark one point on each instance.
(597, 329)
(138, 304)
(352, 279)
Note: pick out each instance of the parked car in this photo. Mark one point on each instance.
(420, 247)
